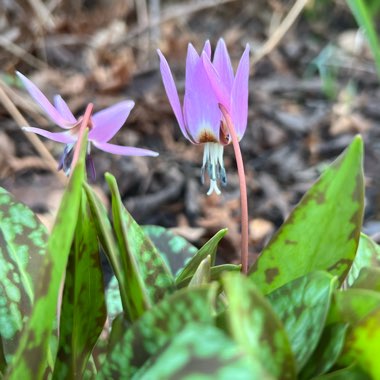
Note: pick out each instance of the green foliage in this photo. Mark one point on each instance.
(31, 358)
(203, 352)
(310, 307)
(302, 306)
(83, 296)
(133, 345)
(22, 250)
(322, 232)
(176, 250)
(254, 325)
(363, 12)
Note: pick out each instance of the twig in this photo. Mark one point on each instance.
(172, 15)
(280, 32)
(35, 141)
(21, 53)
(243, 189)
(42, 13)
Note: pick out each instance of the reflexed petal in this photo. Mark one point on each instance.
(201, 111)
(207, 49)
(239, 97)
(44, 103)
(62, 137)
(220, 89)
(106, 123)
(124, 150)
(171, 92)
(64, 109)
(222, 64)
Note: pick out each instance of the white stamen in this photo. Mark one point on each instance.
(213, 164)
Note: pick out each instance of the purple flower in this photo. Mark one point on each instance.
(103, 126)
(208, 84)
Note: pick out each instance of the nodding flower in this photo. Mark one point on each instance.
(102, 127)
(208, 84)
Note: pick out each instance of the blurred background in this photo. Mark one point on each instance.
(314, 85)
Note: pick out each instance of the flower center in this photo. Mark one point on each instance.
(213, 164)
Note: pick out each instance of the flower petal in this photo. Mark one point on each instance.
(201, 110)
(64, 109)
(124, 150)
(171, 92)
(192, 59)
(61, 137)
(106, 123)
(44, 103)
(222, 64)
(239, 96)
(222, 93)
(207, 49)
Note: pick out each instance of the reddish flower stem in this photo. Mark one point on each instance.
(84, 124)
(243, 189)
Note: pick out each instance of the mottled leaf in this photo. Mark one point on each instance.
(322, 232)
(203, 352)
(176, 250)
(253, 324)
(369, 278)
(108, 242)
(351, 305)
(31, 358)
(327, 352)
(202, 274)
(363, 344)
(134, 344)
(149, 278)
(367, 255)
(302, 305)
(113, 299)
(83, 311)
(209, 248)
(350, 373)
(22, 249)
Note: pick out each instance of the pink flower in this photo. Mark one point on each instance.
(207, 85)
(103, 126)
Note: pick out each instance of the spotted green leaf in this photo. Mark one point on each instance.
(327, 352)
(113, 299)
(352, 372)
(369, 278)
(83, 311)
(367, 255)
(132, 346)
(111, 250)
(203, 352)
(254, 326)
(148, 277)
(302, 306)
(22, 249)
(176, 250)
(322, 232)
(351, 305)
(31, 358)
(209, 248)
(363, 344)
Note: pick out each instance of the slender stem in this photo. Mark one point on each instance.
(243, 189)
(82, 128)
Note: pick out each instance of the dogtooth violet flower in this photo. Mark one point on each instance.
(102, 127)
(208, 84)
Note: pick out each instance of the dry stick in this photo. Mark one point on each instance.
(243, 189)
(279, 33)
(35, 141)
(82, 128)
